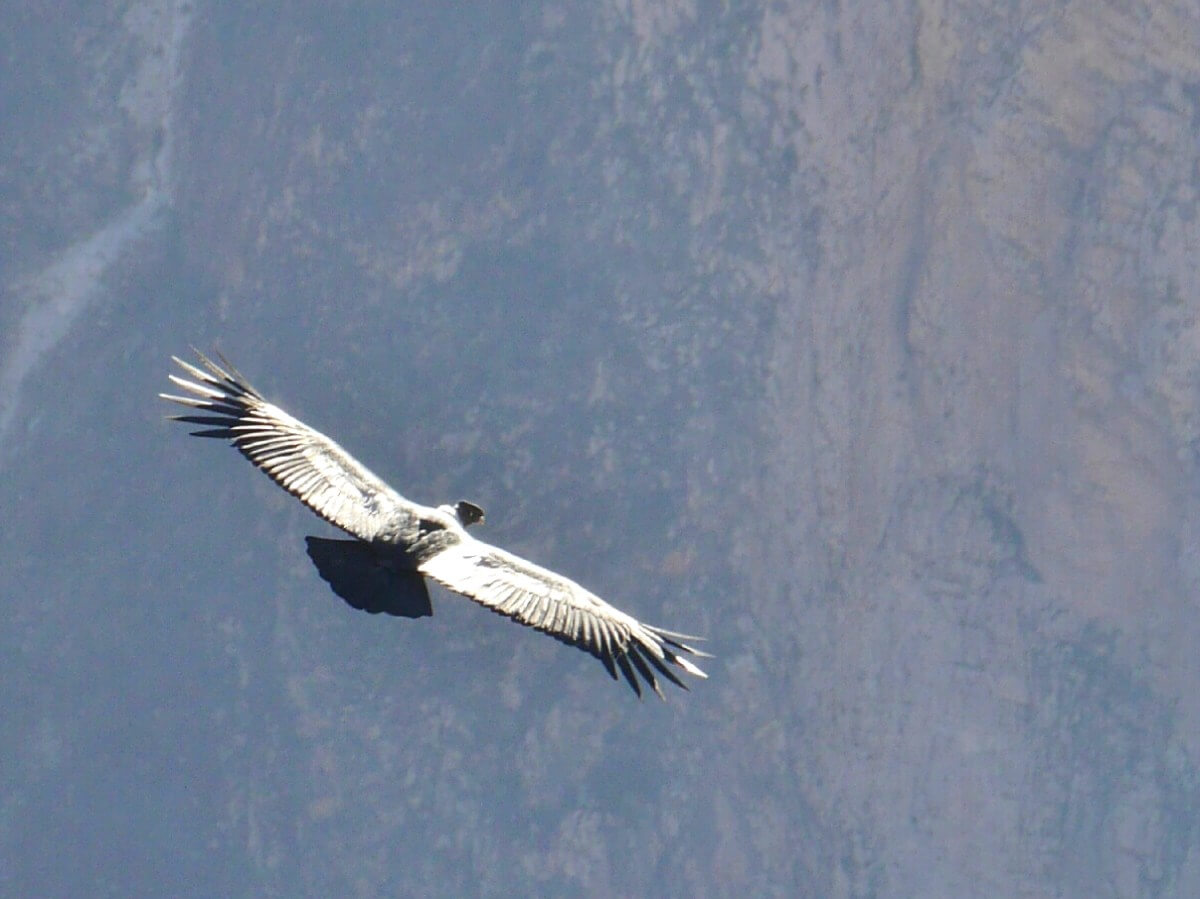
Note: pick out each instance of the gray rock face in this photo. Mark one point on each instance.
(863, 340)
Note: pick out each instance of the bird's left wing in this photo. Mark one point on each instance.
(538, 598)
(300, 459)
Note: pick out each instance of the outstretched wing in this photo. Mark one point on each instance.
(539, 598)
(302, 461)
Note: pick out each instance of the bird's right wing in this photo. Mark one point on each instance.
(301, 460)
(546, 601)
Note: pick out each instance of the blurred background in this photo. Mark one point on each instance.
(861, 338)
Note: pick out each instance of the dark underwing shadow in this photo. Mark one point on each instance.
(365, 581)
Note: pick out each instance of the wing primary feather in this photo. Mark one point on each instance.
(201, 389)
(238, 379)
(627, 670)
(640, 663)
(191, 370)
(204, 420)
(667, 672)
(608, 663)
(187, 401)
(648, 643)
(673, 639)
(663, 632)
(690, 668)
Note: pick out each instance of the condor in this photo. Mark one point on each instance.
(398, 542)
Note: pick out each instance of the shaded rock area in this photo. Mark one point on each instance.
(860, 338)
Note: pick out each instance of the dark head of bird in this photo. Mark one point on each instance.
(468, 513)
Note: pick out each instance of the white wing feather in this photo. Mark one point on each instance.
(300, 459)
(541, 599)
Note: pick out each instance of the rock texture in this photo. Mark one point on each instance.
(861, 338)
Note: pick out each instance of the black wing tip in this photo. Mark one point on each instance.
(232, 374)
(221, 397)
(207, 362)
(226, 421)
(681, 641)
(639, 666)
(608, 663)
(223, 375)
(639, 662)
(667, 672)
(630, 675)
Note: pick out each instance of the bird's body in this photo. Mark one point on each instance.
(399, 542)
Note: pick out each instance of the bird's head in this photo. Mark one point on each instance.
(466, 512)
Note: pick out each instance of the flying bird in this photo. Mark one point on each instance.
(399, 543)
